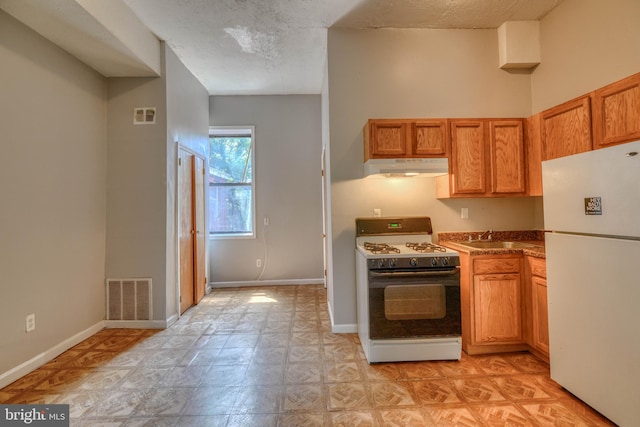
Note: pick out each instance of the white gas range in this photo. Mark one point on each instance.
(408, 291)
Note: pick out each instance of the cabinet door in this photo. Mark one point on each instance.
(468, 174)
(616, 112)
(387, 138)
(506, 152)
(566, 129)
(429, 138)
(533, 144)
(540, 314)
(497, 308)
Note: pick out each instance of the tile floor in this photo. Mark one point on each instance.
(267, 357)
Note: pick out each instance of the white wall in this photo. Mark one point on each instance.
(288, 189)
(136, 185)
(52, 194)
(585, 44)
(410, 73)
(188, 125)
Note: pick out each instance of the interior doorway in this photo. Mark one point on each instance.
(191, 228)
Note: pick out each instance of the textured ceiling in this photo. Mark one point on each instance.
(242, 47)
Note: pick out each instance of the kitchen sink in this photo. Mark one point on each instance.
(489, 244)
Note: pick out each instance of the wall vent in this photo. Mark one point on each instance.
(129, 299)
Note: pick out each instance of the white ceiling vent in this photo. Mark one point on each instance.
(144, 116)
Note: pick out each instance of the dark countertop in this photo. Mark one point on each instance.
(537, 251)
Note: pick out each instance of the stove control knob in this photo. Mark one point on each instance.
(445, 261)
(413, 262)
(434, 261)
(381, 262)
(392, 262)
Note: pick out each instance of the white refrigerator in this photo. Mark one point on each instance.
(592, 211)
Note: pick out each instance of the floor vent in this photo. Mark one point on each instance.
(129, 299)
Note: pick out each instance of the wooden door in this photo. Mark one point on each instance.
(429, 138)
(616, 112)
(199, 223)
(468, 175)
(540, 314)
(386, 138)
(566, 129)
(506, 147)
(497, 308)
(186, 229)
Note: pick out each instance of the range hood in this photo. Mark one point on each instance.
(406, 167)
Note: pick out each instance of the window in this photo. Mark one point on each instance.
(231, 186)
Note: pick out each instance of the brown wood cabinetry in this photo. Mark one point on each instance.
(487, 159)
(491, 296)
(506, 154)
(533, 149)
(468, 162)
(616, 112)
(405, 138)
(537, 307)
(566, 128)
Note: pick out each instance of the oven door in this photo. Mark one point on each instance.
(414, 303)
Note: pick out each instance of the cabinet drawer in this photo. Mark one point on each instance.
(538, 267)
(496, 265)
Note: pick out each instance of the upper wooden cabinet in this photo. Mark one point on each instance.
(487, 159)
(468, 160)
(566, 129)
(533, 147)
(398, 138)
(506, 154)
(616, 112)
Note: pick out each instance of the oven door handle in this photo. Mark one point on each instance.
(414, 273)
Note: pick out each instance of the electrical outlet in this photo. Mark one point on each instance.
(30, 322)
(258, 262)
(377, 212)
(464, 213)
(266, 220)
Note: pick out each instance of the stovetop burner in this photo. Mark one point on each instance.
(381, 248)
(425, 247)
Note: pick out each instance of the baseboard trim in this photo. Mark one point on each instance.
(341, 329)
(46, 356)
(286, 282)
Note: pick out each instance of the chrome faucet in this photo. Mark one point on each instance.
(486, 233)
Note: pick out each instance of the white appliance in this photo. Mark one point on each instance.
(427, 167)
(592, 206)
(408, 292)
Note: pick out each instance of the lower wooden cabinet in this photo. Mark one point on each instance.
(497, 308)
(492, 303)
(504, 304)
(537, 307)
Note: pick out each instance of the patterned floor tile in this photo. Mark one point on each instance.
(266, 356)
(345, 396)
(435, 392)
(477, 390)
(403, 418)
(521, 387)
(337, 372)
(353, 419)
(297, 373)
(304, 398)
(452, 416)
(502, 415)
(397, 394)
(554, 414)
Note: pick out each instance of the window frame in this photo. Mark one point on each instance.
(238, 131)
